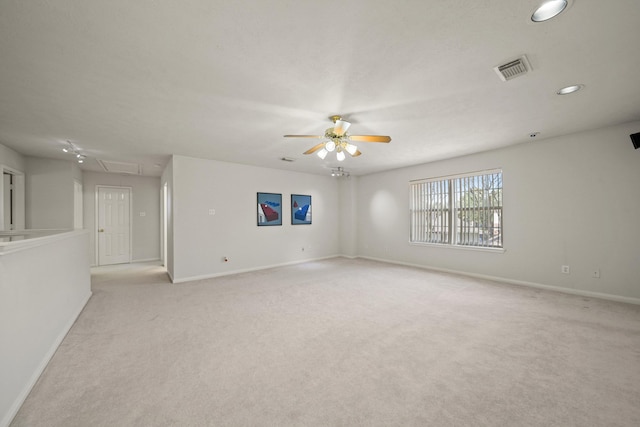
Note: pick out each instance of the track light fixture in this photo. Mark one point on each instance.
(340, 172)
(70, 148)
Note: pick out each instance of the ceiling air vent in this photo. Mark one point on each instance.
(513, 69)
(120, 167)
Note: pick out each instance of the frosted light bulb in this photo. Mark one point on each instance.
(330, 146)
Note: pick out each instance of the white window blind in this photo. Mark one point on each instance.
(464, 210)
(430, 212)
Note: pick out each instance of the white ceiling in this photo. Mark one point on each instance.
(137, 81)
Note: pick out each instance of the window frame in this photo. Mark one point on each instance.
(452, 208)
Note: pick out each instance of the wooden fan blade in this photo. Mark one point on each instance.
(341, 127)
(304, 136)
(314, 149)
(370, 138)
(356, 154)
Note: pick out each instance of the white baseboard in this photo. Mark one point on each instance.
(133, 261)
(8, 417)
(145, 260)
(609, 297)
(246, 270)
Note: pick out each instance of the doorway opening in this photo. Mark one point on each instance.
(11, 199)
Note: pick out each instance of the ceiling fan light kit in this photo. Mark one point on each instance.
(330, 146)
(323, 153)
(338, 140)
(351, 149)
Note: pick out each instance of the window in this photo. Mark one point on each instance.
(464, 210)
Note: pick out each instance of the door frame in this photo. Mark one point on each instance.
(164, 225)
(18, 197)
(78, 205)
(97, 219)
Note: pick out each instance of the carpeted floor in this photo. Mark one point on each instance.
(339, 343)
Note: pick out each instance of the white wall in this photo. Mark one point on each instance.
(49, 193)
(145, 197)
(12, 159)
(572, 200)
(43, 288)
(200, 240)
(347, 188)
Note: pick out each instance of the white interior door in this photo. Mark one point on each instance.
(114, 228)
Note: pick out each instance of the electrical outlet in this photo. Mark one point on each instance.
(595, 273)
(212, 211)
(565, 269)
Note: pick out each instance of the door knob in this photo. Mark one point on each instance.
(100, 230)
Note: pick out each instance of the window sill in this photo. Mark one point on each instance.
(460, 247)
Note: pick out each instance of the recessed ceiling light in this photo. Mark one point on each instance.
(569, 89)
(548, 10)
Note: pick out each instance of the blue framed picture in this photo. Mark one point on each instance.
(300, 209)
(269, 209)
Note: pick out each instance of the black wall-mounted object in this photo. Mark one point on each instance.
(635, 138)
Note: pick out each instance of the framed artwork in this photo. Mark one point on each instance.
(300, 209)
(269, 209)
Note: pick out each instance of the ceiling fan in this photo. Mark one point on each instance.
(339, 140)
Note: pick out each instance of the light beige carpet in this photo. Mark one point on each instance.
(339, 343)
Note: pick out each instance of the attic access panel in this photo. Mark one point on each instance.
(120, 167)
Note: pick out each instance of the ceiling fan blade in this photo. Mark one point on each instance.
(314, 149)
(356, 154)
(304, 136)
(341, 127)
(370, 138)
